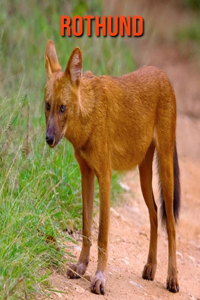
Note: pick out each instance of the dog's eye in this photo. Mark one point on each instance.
(62, 108)
(47, 106)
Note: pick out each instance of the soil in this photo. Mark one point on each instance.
(129, 230)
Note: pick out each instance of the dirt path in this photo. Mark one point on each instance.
(129, 231)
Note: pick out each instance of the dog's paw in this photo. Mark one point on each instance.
(98, 283)
(75, 271)
(172, 284)
(149, 271)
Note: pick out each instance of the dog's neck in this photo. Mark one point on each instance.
(80, 124)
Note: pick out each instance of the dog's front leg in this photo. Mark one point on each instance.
(99, 282)
(87, 180)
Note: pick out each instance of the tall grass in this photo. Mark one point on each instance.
(40, 190)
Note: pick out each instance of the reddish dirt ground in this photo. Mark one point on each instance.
(129, 230)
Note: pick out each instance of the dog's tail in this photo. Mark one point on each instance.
(177, 199)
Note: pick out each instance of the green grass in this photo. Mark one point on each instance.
(40, 188)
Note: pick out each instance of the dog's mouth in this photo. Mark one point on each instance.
(52, 141)
(52, 145)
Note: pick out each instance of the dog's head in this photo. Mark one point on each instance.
(61, 92)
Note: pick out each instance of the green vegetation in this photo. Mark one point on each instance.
(189, 38)
(190, 33)
(40, 189)
(194, 4)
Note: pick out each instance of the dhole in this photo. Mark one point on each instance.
(116, 122)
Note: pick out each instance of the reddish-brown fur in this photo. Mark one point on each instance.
(114, 123)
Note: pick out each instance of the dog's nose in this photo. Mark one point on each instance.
(50, 139)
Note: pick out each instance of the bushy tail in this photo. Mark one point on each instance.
(177, 199)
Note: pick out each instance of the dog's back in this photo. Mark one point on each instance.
(126, 110)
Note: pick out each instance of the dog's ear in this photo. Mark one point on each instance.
(51, 60)
(74, 67)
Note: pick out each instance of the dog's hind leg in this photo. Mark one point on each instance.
(170, 203)
(170, 185)
(87, 179)
(145, 170)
